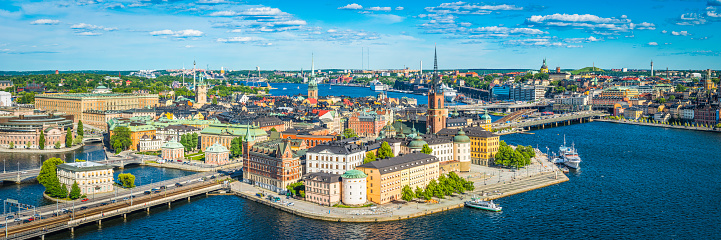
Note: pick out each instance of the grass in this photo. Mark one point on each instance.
(346, 206)
(196, 157)
(154, 153)
(151, 162)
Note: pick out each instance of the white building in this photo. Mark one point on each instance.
(91, 177)
(5, 99)
(687, 113)
(354, 188)
(442, 147)
(333, 157)
(462, 150)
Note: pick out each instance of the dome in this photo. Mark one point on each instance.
(461, 137)
(101, 87)
(173, 144)
(216, 148)
(353, 174)
(417, 143)
(486, 116)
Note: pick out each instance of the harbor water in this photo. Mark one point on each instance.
(635, 182)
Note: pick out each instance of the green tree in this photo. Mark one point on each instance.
(28, 145)
(215, 100)
(12, 145)
(236, 147)
(419, 192)
(370, 156)
(194, 140)
(671, 98)
(80, 130)
(560, 89)
(127, 179)
(349, 133)
(57, 144)
(385, 151)
(41, 140)
(75, 191)
(680, 88)
(48, 177)
(408, 194)
(661, 100)
(120, 139)
(426, 149)
(273, 130)
(69, 138)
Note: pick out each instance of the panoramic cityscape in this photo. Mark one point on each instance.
(226, 119)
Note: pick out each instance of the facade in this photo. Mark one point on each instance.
(334, 157)
(173, 132)
(149, 143)
(572, 103)
(386, 178)
(224, 134)
(354, 188)
(323, 188)
(632, 113)
(100, 119)
(527, 93)
(172, 150)
(272, 165)
(462, 151)
(24, 131)
(201, 94)
(366, 125)
(708, 115)
(622, 92)
(5, 99)
(217, 154)
(76, 104)
(484, 145)
(91, 177)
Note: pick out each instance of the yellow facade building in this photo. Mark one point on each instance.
(386, 178)
(77, 104)
(484, 145)
(621, 92)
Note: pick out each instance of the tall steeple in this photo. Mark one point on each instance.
(435, 69)
(436, 116)
(312, 84)
(193, 72)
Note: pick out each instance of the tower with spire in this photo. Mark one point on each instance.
(201, 90)
(544, 67)
(312, 84)
(436, 110)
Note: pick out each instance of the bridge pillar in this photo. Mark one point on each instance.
(125, 216)
(42, 237)
(168, 204)
(72, 230)
(100, 222)
(147, 210)
(188, 199)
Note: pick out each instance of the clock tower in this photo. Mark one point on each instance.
(436, 105)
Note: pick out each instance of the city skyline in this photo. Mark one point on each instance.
(281, 35)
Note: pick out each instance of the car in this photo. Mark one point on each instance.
(291, 204)
(9, 217)
(103, 204)
(18, 220)
(84, 200)
(125, 198)
(163, 187)
(112, 200)
(147, 192)
(24, 172)
(178, 185)
(83, 208)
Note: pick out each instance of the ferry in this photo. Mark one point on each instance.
(449, 93)
(484, 205)
(570, 155)
(376, 85)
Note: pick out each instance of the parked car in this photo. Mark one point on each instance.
(9, 217)
(84, 200)
(178, 185)
(83, 208)
(147, 192)
(126, 198)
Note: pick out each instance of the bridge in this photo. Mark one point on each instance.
(550, 121)
(498, 107)
(28, 174)
(93, 138)
(515, 115)
(56, 218)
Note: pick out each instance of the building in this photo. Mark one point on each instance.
(225, 133)
(91, 177)
(323, 188)
(501, 92)
(76, 104)
(137, 130)
(271, 164)
(437, 113)
(334, 157)
(149, 143)
(172, 151)
(572, 103)
(527, 93)
(462, 151)
(544, 67)
(5, 84)
(387, 177)
(217, 154)
(24, 131)
(5, 99)
(632, 113)
(354, 188)
(484, 145)
(173, 132)
(366, 124)
(621, 92)
(708, 115)
(99, 119)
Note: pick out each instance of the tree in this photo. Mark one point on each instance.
(75, 191)
(661, 100)
(57, 144)
(215, 100)
(120, 138)
(385, 151)
(349, 133)
(41, 140)
(680, 88)
(426, 149)
(273, 130)
(127, 179)
(560, 89)
(12, 145)
(28, 145)
(370, 156)
(671, 98)
(69, 138)
(419, 192)
(296, 188)
(80, 131)
(408, 194)
(194, 140)
(62, 191)
(48, 177)
(236, 147)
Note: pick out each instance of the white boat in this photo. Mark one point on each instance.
(449, 93)
(285, 88)
(298, 87)
(569, 155)
(376, 85)
(485, 205)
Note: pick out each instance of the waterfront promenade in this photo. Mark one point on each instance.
(704, 129)
(490, 183)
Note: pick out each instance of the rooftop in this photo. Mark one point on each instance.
(401, 162)
(83, 166)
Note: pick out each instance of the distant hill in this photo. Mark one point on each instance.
(586, 69)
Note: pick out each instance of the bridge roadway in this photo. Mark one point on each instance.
(497, 106)
(551, 120)
(102, 208)
(27, 174)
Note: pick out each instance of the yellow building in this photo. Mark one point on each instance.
(484, 145)
(137, 133)
(622, 92)
(485, 122)
(77, 104)
(386, 178)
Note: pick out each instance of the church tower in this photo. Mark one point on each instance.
(544, 67)
(312, 84)
(436, 105)
(201, 90)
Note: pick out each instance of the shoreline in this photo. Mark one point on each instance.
(25, 150)
(191, 167)
(700, 129)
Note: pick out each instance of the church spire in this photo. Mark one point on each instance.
(435, 68)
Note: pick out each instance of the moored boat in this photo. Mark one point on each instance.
(483, 205)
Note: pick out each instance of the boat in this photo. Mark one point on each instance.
(569, 155)
(376, 85)
(448, 92)
(483, 205)
(285, 88)
(298, 87)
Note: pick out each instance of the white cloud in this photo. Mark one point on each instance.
(644, 26)
(91, 27)
(332, 30)
(352, 6)
(45, 21)
(470, 8)
(690, 19)
(253, 12)
(664, 31)
(89, 33)
(227, 13)
(653, 44)
(236, 31)
(181, 34)
(380, 9)
(592, 23)
(238, 39)
(189, 46)
(681, 33)
(494, 31)
(534, 42)
(581, 40)
(399, 8)
(388, 18)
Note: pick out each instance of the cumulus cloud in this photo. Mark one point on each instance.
(45, 21)
(180, 34)
(582, 40)
(88, 33)
(534, 42)
(680, 33)
(463, 8)
(653, 44)
(690, 19)
(91, 27)
(494, 31)
(380, 9)
(399, 8)
(352, 6)
(591, 23)
(236, 39)
(250, 12)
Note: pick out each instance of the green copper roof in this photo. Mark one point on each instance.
(353, 174)
(172, 145)
(417, 143)
(485, 116)
(216, 148)
(461, 137)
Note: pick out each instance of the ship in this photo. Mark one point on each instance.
(569, 155)
(483, 205)
(449, 93)
(376, 85)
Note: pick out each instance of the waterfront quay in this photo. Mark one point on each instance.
(56, 218)
(490, 183)
(703, 129)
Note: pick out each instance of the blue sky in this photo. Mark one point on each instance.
(164, 34)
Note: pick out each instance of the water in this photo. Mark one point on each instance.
(32, 192)
(636, 182)
(293, 89)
